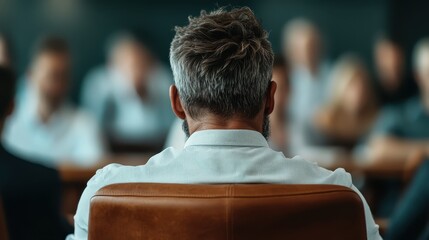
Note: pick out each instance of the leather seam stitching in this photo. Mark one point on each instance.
(227, 195)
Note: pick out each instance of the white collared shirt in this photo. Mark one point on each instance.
(217, 156)
(68, 136)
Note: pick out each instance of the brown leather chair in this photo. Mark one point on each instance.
(239, 212)
(3, 226)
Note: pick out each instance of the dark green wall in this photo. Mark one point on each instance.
(347, 25)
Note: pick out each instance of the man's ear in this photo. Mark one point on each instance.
(269, 102)
(176, 105)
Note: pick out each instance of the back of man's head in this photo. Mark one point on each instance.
(7, 91)
(222, 64)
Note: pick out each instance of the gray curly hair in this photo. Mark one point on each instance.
(222, 63)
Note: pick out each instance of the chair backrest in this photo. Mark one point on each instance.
(243, 211)
(3, 226)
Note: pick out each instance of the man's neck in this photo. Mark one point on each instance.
(214, 122)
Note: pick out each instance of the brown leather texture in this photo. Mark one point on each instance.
(230, 212)
(3, 226)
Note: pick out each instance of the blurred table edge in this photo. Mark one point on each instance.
(73, 173)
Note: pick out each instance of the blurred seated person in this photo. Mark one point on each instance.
(392, 83)
(404, 129)
(411, 218)
(5, 51)
(131, 100)
(279, 118)
(225, 99)
(309, 79)
(352, 110)
(30, 192)
(45, 126)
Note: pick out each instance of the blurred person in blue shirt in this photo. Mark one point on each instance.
(44, 125)
(403, 129)
(129, 96)
(309, 77)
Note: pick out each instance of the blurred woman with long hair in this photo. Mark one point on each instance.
(352, 109)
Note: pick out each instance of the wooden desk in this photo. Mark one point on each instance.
(74, 178)
(367, 169)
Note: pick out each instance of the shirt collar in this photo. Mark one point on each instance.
(244, 138)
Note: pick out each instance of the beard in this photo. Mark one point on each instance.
(265, 128)
(185, 128)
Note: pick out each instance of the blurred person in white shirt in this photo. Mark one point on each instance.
(45, 126)
(129, 96)
(309, 79)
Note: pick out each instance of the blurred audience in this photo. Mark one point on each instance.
(279, 119)
(392, 82)
(309, 76)
(131, 100)
(352, 109)
(5, 51)
(45, 126)
(30, 192)
(403, 129)
(320, 112)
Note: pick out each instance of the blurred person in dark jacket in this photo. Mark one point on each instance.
(30, 192)
(393, 84)
(45, 125)
(403, 129)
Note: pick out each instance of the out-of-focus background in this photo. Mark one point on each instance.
(353, 77)
(346, 25)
